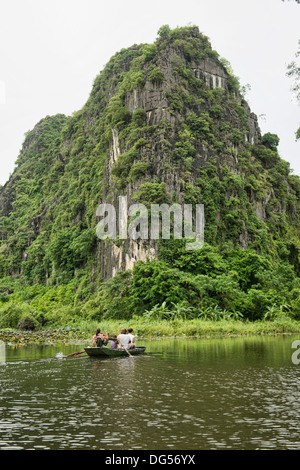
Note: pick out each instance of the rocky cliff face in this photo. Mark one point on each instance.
(164, 123)
(185, 86)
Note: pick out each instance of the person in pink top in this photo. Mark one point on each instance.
(98, 335)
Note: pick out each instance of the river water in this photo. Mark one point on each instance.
(187, 394)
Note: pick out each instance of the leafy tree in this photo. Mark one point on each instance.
(270, 140)
(164, 31)
(115, 296)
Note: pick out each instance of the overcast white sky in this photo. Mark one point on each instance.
(52, 50)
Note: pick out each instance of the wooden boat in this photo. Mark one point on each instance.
(104, 351)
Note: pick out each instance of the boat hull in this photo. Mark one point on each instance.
(108, 352)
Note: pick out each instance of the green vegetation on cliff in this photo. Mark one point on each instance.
(165, 122)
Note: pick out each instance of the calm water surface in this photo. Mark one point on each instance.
(233, 393)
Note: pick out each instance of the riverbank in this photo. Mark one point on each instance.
(144, 328)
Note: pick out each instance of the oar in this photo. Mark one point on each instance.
(126, 350)
(75, 354)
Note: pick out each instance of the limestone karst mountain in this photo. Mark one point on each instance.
(164, 123)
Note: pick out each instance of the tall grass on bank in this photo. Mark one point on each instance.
(149, 328)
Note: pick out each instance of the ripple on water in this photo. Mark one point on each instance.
(182, 400)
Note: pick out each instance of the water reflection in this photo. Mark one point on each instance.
(234, 393)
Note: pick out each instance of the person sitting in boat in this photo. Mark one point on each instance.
(132, 338)
(99, 339)
(114, 342)
(123, 339)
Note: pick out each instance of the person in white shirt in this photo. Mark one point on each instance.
(132, 338)
(123, 339)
